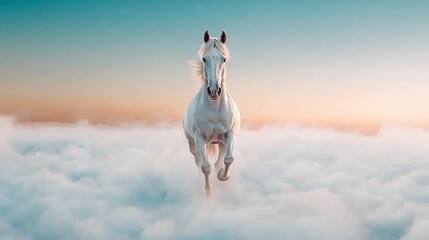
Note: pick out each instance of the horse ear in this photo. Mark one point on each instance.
(223, 37)
(206, 36)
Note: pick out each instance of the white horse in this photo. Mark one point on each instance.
(212, 117)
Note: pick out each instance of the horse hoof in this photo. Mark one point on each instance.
(220, 174)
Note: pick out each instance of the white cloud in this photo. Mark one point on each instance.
(419, 230)
(140, 182)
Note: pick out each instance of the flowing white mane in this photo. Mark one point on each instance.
(197, 65)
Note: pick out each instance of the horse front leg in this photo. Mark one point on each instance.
(223, 173)
(221, 155)
(205, 165)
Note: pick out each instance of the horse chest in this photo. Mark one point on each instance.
(214, 128)
(215, 131)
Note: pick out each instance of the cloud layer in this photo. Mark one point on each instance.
(140, 182)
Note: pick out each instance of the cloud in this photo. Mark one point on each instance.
(140, 182)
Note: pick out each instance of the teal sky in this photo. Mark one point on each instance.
(282, 51)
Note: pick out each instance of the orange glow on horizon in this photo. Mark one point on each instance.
(353, 113)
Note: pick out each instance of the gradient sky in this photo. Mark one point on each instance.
(347, 64)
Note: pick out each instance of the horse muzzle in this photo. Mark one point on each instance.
(214, 94)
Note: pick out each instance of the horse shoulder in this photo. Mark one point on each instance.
(235, 113)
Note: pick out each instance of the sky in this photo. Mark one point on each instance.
(342, 64)
(86, 181)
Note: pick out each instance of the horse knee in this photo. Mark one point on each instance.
(228, 160)
(206, 169)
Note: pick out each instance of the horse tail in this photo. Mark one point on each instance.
(211, 150)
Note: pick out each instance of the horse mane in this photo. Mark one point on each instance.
(197, 65)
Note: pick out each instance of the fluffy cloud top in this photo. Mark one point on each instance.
(140, 182)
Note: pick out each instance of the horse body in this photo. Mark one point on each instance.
(212, 117)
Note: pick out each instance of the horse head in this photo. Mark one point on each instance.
(214, 64)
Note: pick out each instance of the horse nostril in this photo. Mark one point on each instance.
(208, 91)
(219, 91)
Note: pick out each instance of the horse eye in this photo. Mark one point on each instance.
(204, 60)
(224, 60)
